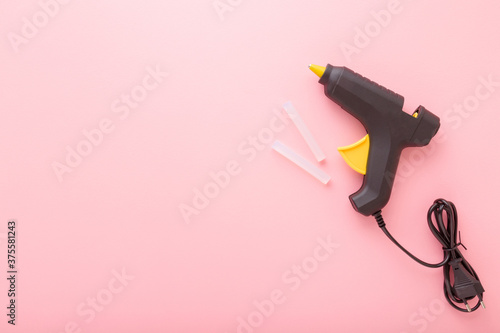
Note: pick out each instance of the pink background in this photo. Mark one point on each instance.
(118, 211)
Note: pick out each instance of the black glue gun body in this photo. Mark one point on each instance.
(389, 128)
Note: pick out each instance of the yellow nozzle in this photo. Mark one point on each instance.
(318, 70)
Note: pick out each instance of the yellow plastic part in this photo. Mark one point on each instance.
(318, 70)
(356, 155)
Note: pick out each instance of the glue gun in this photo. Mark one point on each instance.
(389, 129)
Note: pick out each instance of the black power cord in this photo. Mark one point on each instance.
(466, 285)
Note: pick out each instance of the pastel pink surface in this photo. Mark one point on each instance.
(111, 232)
